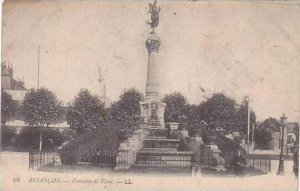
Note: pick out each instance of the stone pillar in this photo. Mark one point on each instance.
(152, 85)
(152, 110)
(128, 149)
(212, 158)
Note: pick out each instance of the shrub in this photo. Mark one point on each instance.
(227, 146)
(7, 135)
(229, 149)
(29, 138)
(197, 128)
(86, 146)
(68, 134)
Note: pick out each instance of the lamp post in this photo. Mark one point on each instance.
(283, 121)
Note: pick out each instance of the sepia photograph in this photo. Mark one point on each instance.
(150, 95)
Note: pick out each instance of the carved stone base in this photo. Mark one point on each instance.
(152, 112)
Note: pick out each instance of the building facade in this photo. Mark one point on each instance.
(16, 88)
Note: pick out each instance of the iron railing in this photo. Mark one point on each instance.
(260, 162)
(140, 162)
(39, 159)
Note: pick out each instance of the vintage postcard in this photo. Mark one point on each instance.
(150, 95)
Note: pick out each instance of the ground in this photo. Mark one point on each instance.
(15, 165)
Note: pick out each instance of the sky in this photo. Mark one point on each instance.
(239, 48)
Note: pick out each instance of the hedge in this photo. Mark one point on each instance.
(86, 146)
(7, 135)
(29, 138)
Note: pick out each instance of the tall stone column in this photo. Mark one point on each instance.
(152, 109)
(152, 85)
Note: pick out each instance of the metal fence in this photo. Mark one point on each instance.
(260, 162)
(39, 159)
(140, 163)
(104, 159)
(110, 159)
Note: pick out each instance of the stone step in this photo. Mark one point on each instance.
(161, 143)
(164, 152)
(159, 149)
(165, 164)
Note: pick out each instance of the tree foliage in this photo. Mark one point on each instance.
(176, 106)
(8, 107)
(271, 123)
(87, 145)
(126, 111)
(7, 135)
(262, 137)
(86, 112)
(51, 139)
(219, 111)
(41, 108)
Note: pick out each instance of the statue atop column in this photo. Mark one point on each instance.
(154, 11)
(152, 109)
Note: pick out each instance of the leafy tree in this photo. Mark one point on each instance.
(86, 112)
(263, 134)
(41, 108)
(193, 114)
(219, 111)
(126, 111)
(271, 123)
(8, 107)
(176, 106)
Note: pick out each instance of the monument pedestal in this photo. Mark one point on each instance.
(152, 113)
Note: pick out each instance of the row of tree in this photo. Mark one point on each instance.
(41, 108)
(217, 112)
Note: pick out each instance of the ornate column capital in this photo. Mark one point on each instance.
(153, 43)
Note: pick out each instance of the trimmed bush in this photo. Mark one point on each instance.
(29, 138)
(86, 146)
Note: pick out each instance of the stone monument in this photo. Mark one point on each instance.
(152, 109)
(149, 149)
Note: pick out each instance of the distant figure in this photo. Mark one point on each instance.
(296, 161)
(239, 163)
